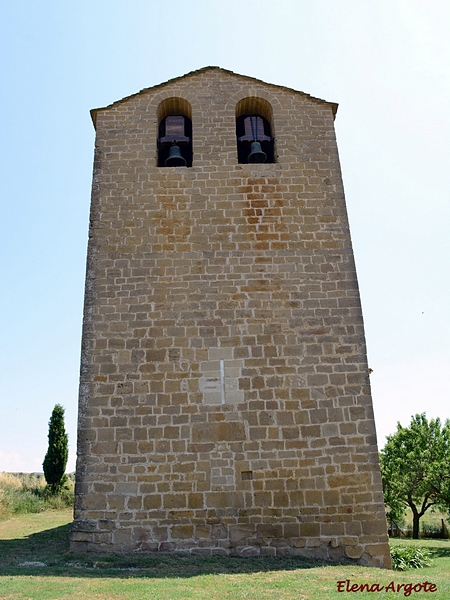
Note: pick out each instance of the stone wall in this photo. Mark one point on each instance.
(225, 401)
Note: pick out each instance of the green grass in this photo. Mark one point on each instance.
(43, 537)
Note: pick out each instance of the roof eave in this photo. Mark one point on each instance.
(95, 111)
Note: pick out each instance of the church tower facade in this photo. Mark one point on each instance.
(225, 403)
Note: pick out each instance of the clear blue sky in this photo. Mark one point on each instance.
(387, 64)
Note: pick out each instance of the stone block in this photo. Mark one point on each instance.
(332, 529)
(155, 355)
(134, 503)
(291, 530)
(174, 501)
(313, 497)
(262, 499)
(308, 431)
(247, 551)
(280, 499)
(151, 501)
(217, 432)
(167, 547)
(354, 551)
(297, 498)
(202, 532)
(115, 502)
(239, 534)
(182, 532)
(269, 530)
(122, 537)
(310, 530)
(224, 500)
(201, 447)
(358, 480)
(215, 354)
(373, 528)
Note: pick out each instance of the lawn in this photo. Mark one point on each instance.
(43, 539)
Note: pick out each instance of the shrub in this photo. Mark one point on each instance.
(409, 557)
(431, 531)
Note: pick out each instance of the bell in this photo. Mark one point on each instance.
(256, 154)
(175, 159)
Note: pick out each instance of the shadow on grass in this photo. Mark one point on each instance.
(51, 547)
(439, 551)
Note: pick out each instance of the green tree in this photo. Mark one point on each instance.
(415, 468)
(55, 460)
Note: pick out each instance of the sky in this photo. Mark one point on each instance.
(385, 62)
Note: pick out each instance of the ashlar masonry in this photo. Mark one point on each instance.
(225, 403)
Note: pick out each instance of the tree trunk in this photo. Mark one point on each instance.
(416, 514)
(415, 531)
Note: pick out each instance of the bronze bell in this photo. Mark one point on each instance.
(175, 159)
(256, 154)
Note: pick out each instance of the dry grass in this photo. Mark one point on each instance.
(22, 493)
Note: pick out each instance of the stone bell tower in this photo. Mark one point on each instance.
(225, 403)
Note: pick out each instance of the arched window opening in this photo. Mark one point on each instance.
(254, 139)
(174, 133)
(175, 141)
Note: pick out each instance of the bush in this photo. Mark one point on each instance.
(431, 531)
(409, 557)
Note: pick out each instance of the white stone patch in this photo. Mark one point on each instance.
(219, 382)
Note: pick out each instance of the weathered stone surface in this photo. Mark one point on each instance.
(224, 396)
(354, 551)
(218, 432)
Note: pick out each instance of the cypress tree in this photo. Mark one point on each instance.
(55, 460)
